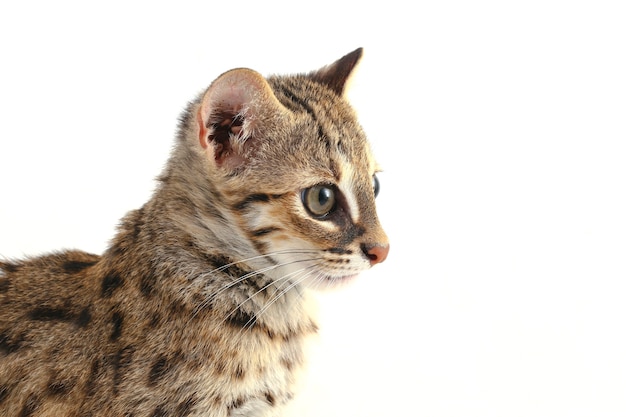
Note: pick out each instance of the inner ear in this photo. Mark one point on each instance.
(226, 129)
(224, 133)
(232, 114)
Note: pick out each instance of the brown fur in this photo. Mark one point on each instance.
(200, 305)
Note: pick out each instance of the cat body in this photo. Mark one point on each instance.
(201, 304)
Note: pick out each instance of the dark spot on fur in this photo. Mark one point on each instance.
(138, 224)
(30, 406)
(110, 283)
(60, 387)
(4, 285)
(72, 267)
(94, 373)
(220, 367)
(270, 398)
(83, 318)
(120, 361)
(226, 265)
(289, 365)
(240, 373)
(155, 320)
(146, 285)
(236, 404)
(240, 318)
(217, 260)
(158, 370)
(186, 407)
(4, 392)
(176, 308)
(159, 412)
(117, 320)
(11, 268)
(51, 314)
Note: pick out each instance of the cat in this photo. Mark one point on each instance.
(200, 306)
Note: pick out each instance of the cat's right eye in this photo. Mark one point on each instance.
(319, 200)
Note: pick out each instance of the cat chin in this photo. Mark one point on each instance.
(332, 282)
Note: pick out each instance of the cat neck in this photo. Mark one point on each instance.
(170, 256)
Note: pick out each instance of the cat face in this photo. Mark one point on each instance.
(295, 167)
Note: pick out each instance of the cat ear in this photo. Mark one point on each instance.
(232, 112)
(336, 74)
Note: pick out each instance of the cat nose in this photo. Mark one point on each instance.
(375, 253)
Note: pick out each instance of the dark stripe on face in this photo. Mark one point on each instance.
(340, 251)
(297, 101)
(302, 105)
(265, 231)
(251, 199)
(353, 232)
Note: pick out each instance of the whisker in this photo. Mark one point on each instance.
(252, 258)
(257, 272)
(256, 315)
(250, 274)
(284, 279)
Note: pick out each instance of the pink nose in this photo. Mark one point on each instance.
(376, 253)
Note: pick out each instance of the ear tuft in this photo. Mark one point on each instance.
(336, 75)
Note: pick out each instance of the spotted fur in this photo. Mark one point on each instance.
(200, 306)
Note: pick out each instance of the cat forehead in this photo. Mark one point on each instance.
(323, 124)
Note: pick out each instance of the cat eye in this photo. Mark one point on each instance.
(319, 200)
(376, 185)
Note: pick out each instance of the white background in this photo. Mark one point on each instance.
(501, 126)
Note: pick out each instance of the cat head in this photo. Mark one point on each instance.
(293, 172)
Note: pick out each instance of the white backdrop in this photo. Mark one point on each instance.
(501, 126)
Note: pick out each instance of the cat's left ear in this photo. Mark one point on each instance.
(337, 74)
(232, 114)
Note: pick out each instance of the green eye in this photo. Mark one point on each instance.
(376, 185)
(319, 200)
